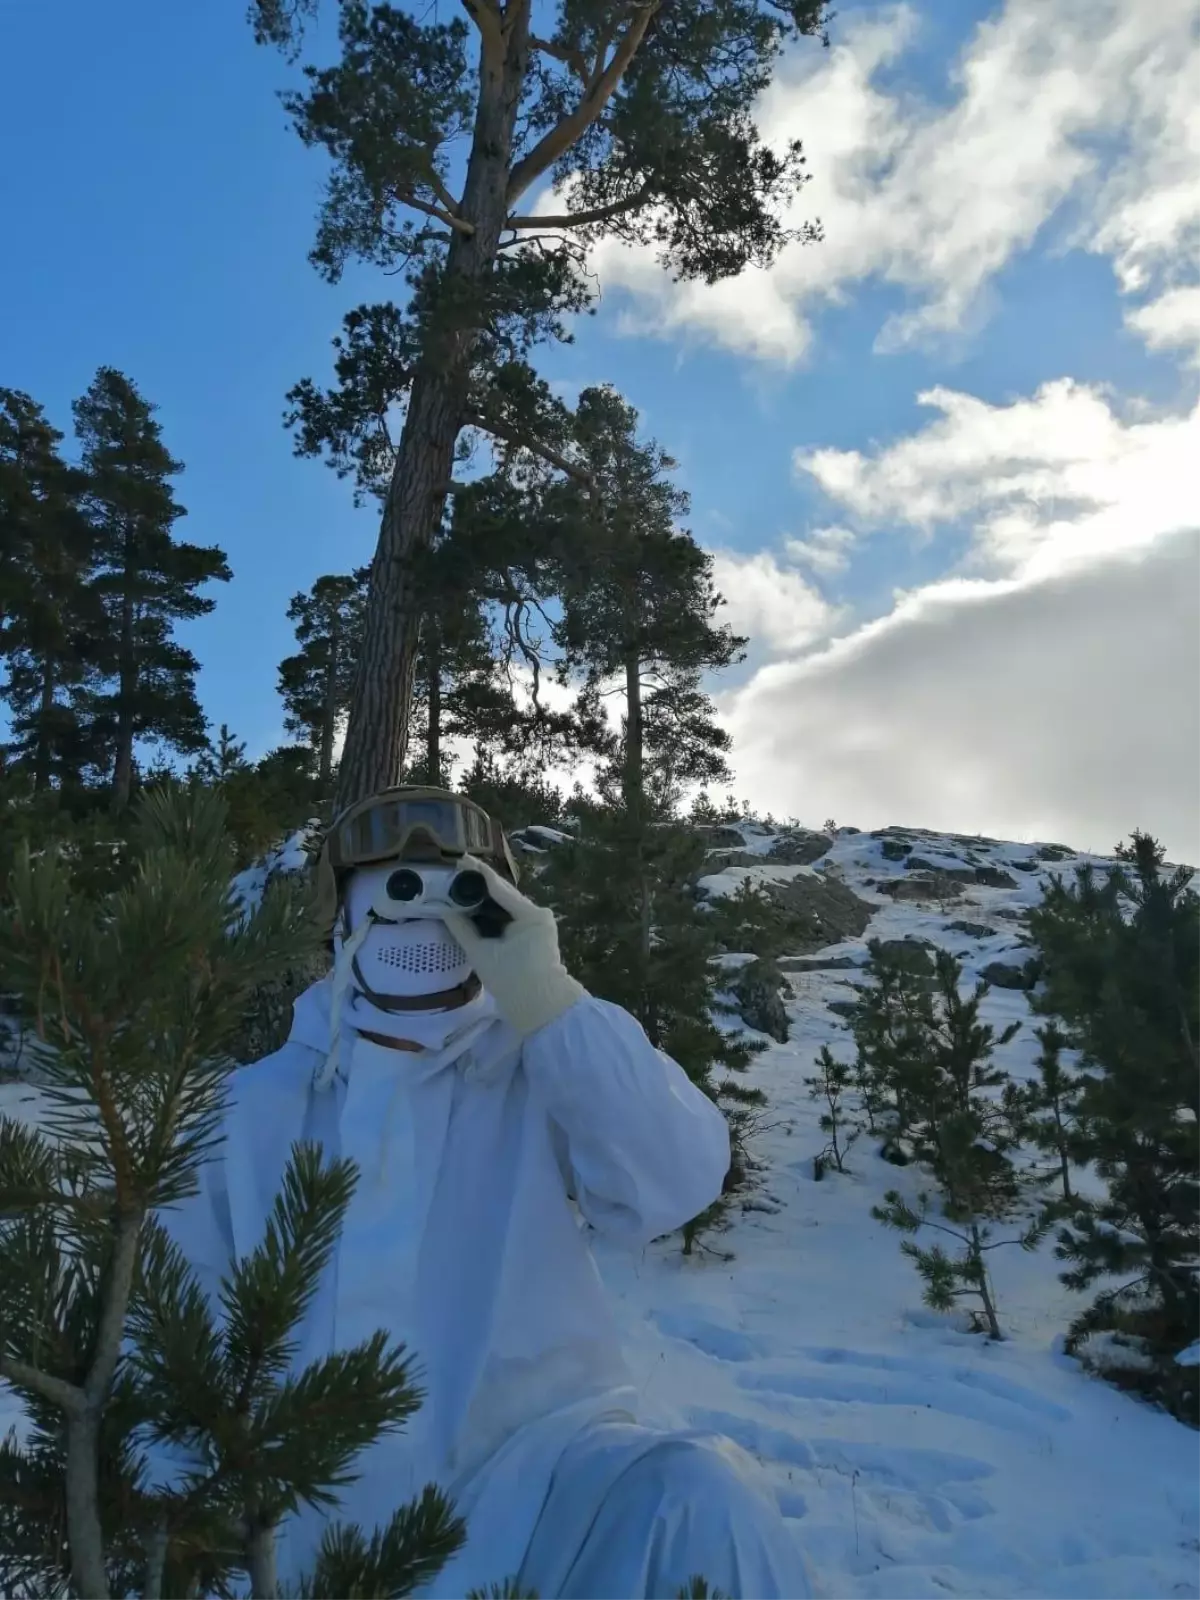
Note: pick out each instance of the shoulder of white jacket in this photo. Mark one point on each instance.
(287, 1068)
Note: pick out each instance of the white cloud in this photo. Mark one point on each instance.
(772, 603)
(1045, 482)
(1172, 322)
(1097, 101)
(1062, 709)
(1048, 688)
(826, 550)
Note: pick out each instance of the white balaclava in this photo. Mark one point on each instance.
(389, 949)
(408, 957)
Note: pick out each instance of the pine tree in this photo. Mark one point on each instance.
(460, 690)
(645, 121)
(832, 1085)
(1052, 1105)
(317, 681)
(938, 1067)
(224, 758)
(1122, 978)
(514, 792)
(475, 587)
(892, 1022)
(144, 581)
(630, 930)
(639, 606)
(107, 1336)
(45, 615)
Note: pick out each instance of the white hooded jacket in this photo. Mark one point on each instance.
(461, 1239)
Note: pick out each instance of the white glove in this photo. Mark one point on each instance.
(521, 970)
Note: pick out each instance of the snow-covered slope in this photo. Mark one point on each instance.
(911, 1458)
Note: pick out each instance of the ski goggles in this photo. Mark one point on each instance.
(418, 825)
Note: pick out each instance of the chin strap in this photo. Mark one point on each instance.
(347, 968)
(441, 1000)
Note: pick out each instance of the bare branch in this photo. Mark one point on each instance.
(561, 52)
(501, 430)
(593, 101)
(407, 198)
(532, 238)
(452, 207)
(65, 1396)
(580, 219)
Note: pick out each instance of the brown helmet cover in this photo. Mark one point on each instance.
(479, 836)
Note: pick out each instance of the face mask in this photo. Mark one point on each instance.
(396, 939)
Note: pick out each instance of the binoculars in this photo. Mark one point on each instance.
(467, 890)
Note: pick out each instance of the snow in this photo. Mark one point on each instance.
(910, 1456)
(250, 885)
(730, 879)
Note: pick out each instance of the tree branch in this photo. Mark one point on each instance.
(114, 1309)
(65, 1396)
(488, 19)
(580, 219)
(451, 205)
(597, 95)
(561, 52)
(501, 430)
(459, 224)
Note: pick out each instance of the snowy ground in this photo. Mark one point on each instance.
(910, 1457)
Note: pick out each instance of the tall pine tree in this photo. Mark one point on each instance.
(45, 603)
(144, 580)
(315, 683)
(642, 114)
(639, 606)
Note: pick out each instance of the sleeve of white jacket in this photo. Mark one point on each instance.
(647, 1150)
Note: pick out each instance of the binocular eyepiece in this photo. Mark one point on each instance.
(467, 889)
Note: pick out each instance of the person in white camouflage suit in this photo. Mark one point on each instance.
(482, 1090)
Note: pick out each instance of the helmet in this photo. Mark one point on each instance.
(418, 824)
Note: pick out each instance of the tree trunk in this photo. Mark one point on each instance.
(85, 1538)
(41, 759)
(985, 1288)
(330, 708)
(632, 779)
(632, 788)
(1064, 1164)
(377, 733)
(127, 684)
(261, 1563)
(433, 732)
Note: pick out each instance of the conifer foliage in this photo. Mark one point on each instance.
(143, 577)
(92, 584)
(120, 1353)
(1122, 982)
(315, 683)
(645, 122)
(927, 1069)
(46, 609)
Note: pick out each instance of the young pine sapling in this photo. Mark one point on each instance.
(964, 1133)
(831, 1086)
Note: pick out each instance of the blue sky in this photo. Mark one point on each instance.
(1004, 188)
